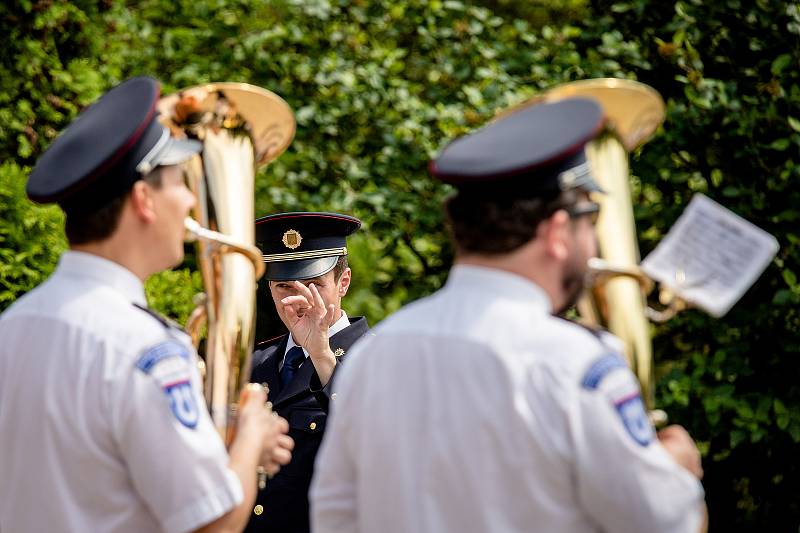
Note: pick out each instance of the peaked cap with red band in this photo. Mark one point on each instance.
(535, 148)
(113, 143)
(303, 245)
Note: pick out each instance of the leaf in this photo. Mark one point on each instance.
(780, 63)
(736, 437)
(790, 278)
(780, 144)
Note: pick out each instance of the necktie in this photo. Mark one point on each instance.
(294, 358)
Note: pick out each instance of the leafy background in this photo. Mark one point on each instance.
(378, 86)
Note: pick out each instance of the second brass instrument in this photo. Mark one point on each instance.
(616, 297)
(241, 127)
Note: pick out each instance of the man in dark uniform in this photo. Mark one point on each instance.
(306, 259)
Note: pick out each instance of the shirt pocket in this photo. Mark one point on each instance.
(311, 421)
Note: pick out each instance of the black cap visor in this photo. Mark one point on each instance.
(302, 269)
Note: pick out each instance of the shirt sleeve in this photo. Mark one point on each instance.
(333, 493)
(174, 455)
(626, 481)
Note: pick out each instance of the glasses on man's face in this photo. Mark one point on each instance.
(591, 209)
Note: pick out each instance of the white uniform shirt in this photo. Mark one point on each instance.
(476, 410)
(102, 422)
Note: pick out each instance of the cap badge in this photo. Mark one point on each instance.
(339, 352)
(292, 239)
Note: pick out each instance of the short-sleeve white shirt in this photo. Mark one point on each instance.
(102, 420)
(476, 410)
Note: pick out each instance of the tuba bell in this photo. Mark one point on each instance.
(617, 289)
(241, 127)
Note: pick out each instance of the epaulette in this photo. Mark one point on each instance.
(166, 322)
(596, 331)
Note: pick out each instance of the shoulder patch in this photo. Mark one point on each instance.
(624, 393)
(600, 369)
(634, 418)
(170, 364)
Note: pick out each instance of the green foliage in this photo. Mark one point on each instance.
(378, 86)
(29, 246)
(172, 292)
(729, 73)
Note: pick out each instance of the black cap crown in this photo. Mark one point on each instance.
(303, 245)
(539, 147)
(111, 144)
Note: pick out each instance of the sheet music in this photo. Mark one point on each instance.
(711, 256)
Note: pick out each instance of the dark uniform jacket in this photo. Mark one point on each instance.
(282, 507)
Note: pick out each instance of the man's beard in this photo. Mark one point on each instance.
(572, 283)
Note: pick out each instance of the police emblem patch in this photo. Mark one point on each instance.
(622, 389)
(182, 403)
(634, 418)
(169, 364)
(292, 239)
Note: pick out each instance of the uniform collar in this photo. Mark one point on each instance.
(337, 326)
(114, 275)
(497, 282)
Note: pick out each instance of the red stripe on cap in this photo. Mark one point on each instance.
(304, 215)
(569, 151)
(130, 143)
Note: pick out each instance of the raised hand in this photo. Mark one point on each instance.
(308, 320)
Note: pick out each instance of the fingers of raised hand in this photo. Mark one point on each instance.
(297, 301)
(302, 290)
(318, 301)
(296, 306)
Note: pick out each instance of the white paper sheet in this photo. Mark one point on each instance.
(711, 256)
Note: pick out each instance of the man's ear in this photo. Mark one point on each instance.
(142, 203)
(554, 232)
(344, 282)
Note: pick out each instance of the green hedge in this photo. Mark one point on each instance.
(378, 86)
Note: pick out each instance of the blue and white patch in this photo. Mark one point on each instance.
(634, 418)
(600, 369)
(170, 364)
(622, 390)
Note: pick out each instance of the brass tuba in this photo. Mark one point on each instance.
(617, 295)
(241, 127)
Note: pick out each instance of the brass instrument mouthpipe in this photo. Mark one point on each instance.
(224, 244)
(601, 271)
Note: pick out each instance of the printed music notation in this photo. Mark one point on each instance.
(711, 256)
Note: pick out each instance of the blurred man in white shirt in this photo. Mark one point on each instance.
(477, 409)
